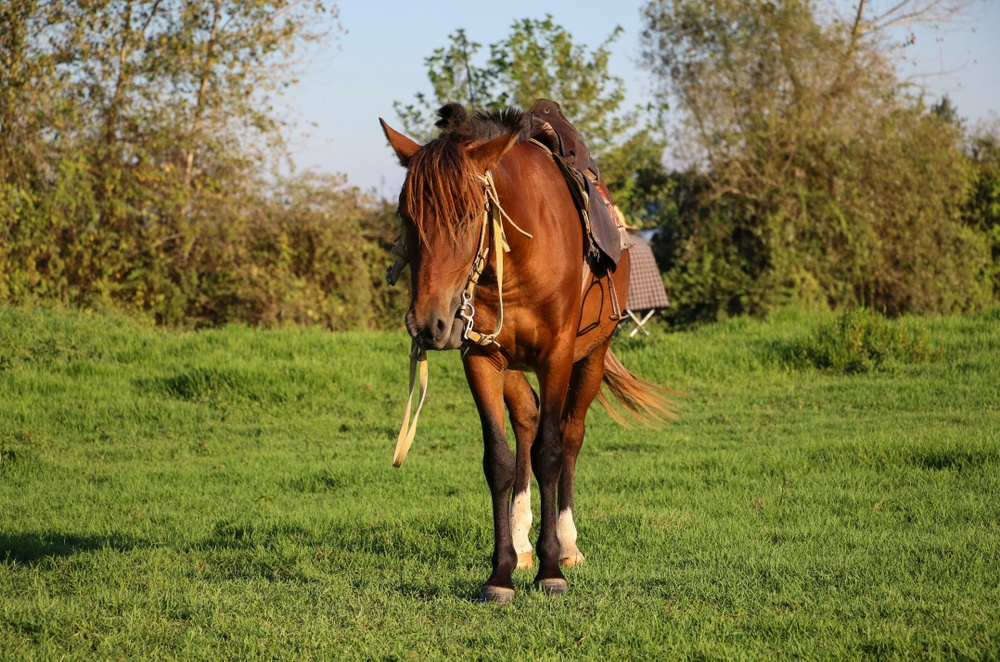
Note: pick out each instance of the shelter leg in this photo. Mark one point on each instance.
(639, 323)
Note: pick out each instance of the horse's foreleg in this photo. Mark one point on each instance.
(486, 383)
(522, 405)
(585, 383)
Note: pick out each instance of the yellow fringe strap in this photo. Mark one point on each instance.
(418, 364)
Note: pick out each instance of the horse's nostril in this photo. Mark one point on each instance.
(440, 328)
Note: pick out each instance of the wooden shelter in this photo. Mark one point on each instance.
(646, 294)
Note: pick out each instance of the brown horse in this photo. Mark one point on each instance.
(549, 312)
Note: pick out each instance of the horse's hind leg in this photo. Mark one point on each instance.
(522, 405)
(547, 459)
(586, 381)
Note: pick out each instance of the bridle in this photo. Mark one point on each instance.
(491, 236)
(492, 224)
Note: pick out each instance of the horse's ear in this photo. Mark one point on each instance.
(488, 154)
(404, 147)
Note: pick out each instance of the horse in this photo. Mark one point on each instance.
(551, 312)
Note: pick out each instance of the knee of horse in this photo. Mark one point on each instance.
(546, 458)
(499, 468)
(572, 437)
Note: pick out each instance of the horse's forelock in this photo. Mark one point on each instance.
(442, 187)
(442, 184)
(453, 117)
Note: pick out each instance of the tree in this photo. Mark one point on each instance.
(838, 187)
(982, 206)
(136, 145)
(539, 59)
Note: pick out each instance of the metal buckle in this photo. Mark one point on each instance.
(467, 311)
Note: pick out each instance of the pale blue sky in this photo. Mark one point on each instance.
(352, 81)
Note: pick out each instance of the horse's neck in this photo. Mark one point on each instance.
(532, 191)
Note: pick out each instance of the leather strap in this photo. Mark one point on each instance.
(418, 364)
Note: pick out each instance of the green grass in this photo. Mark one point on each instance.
(228, 494)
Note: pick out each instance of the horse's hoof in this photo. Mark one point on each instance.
(553, 586)
(524, 560)
(575, 558)
(497, 595)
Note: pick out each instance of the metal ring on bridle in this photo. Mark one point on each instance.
(467, 311)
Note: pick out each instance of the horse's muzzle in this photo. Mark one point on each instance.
(436, 333)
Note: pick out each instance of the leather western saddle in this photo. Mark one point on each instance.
(605, 229)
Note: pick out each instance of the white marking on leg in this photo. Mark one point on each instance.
(520, 520)
(569, 553)
(566, 528)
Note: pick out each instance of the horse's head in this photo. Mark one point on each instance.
(442, 205)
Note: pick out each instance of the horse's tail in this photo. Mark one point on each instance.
(645, 401)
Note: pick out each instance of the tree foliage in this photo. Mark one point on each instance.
(814, 176)
(136, 138)
(982, 206)
(539, 59)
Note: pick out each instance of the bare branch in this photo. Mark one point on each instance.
(909, 12)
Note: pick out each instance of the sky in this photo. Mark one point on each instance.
(353, 77)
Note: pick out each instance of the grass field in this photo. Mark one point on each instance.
(228, 494)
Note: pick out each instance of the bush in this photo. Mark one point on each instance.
(859, 341)
(819, 179)
(308, 250)
(163, 199)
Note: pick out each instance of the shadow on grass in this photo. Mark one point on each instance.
(33, 548)
(280, 554)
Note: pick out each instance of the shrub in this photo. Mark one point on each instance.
(818, 178)
(859, 341)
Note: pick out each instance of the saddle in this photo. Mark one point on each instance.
(603, 225)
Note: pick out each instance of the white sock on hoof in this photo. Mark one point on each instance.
(520, 521)
(566, 532)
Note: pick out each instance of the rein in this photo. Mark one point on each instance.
(492, 222)
(493, 218)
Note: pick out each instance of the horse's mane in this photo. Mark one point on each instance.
(482, 125)
(441, 182)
